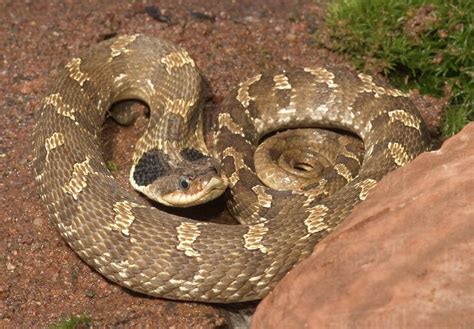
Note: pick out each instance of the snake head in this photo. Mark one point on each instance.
(188, 183)
(197, 183)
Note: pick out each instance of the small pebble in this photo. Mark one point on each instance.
(290, 37)
(38, 221)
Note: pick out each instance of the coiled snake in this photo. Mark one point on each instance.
(160, 254)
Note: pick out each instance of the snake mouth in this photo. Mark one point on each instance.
(201, 192)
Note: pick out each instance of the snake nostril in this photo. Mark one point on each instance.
(214, 170)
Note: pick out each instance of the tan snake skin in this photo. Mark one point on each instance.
(159, 254)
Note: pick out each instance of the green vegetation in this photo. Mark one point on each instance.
(111, 165)
(73, 322)
(423, 44)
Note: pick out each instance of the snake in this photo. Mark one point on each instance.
(125, 238)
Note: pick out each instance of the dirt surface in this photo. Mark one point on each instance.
(41, 279)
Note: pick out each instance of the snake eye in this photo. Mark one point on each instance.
(184, 183)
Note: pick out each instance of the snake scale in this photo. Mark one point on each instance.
(147, 250)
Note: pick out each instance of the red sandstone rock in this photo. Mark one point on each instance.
(403, 259)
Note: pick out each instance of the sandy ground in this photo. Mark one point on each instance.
(41, 279)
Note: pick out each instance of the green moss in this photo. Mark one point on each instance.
(419, 44)
(72, 322)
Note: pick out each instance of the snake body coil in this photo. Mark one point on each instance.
(160, 254)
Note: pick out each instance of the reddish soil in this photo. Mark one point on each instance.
(41, 279)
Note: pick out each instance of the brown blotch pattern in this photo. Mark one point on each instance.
(365, 186)
(74, 67)
(253, 238)
(187, 234)
(264, 199)
(243, 95)
(120, 45)
(56, 139)
(315, 222)
(398, 153)
(406, 118)
(124, 216)
(78, 181)
(281, 82)
(176, 60)
(62, 108)
(370, 86)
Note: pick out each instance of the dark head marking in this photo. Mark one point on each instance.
(192, 154)
(152, 164)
